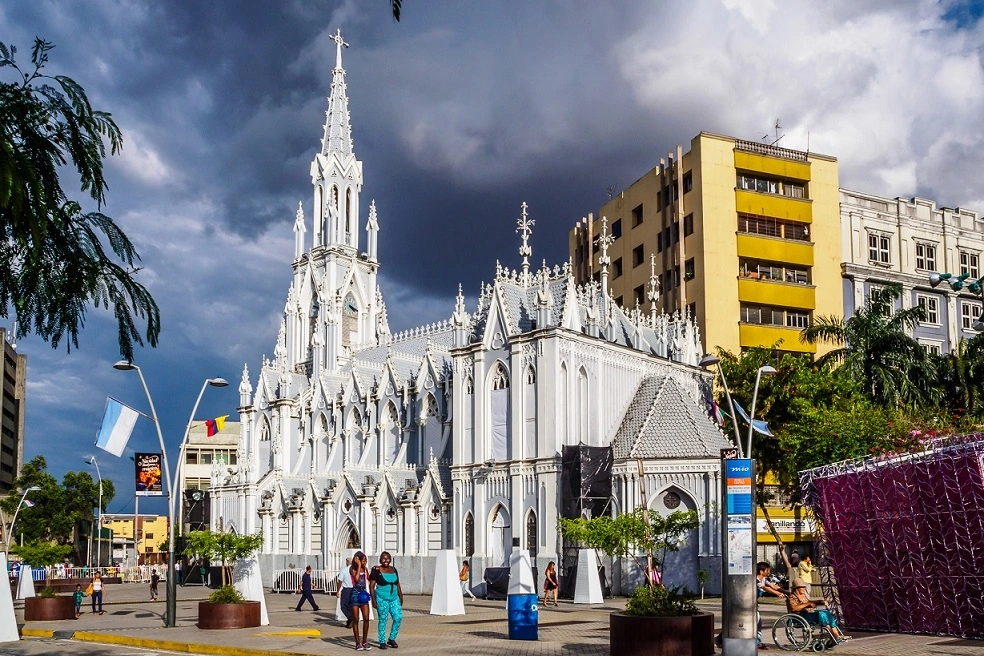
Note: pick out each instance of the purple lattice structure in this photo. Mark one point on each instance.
(901, 540)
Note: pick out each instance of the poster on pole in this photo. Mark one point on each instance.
(741, 536)
(148, 475)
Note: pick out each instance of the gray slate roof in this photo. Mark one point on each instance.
(662, 421)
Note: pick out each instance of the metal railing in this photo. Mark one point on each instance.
(288, 580)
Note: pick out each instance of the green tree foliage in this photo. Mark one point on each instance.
(627, 534)
(876, 349)
(62, 512)
(42, 554)
(55, 258)
(227, 548)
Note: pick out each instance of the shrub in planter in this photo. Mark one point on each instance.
(226, 609)
(47, 606)
(660, 621)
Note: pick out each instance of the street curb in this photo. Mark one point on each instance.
(38, 633)
(171, 645)
(306, 633)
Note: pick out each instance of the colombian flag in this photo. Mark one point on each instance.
(213, 426)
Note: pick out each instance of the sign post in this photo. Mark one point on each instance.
(739, 594)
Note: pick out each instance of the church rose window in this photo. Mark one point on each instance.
(671, 500)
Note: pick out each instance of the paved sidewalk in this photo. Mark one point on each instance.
(131, 619)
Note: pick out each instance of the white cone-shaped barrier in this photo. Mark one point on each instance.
(8, 622)
(446, 598)
(246, 578)
(587, 589)
(25, 584)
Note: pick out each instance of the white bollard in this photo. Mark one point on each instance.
(587, 589)
(246, 577)
(25, 584)
(446, 598)
(8, 622)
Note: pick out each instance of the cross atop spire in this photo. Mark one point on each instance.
(524, 227)
(604, 241)
(339, 44)
(338, 132)
(653, 293)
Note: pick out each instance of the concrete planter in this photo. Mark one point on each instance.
(46, 609)
(228, 616)
(691, 635)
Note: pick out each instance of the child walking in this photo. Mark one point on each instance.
(79, 596)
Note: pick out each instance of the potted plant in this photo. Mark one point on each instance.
(703, 576)
(226, 608)
(657, 621)
(46, 606)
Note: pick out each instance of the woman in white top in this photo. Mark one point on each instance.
(97, 593)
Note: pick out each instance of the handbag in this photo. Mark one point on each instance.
(363, 597)
(88, 590)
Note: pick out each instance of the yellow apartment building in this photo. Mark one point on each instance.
(743, 235)
(151, 532)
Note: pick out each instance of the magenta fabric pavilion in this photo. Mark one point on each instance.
(903, 538)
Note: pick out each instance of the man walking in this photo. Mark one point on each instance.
(345, 593)
(155, 580)
(304, 589)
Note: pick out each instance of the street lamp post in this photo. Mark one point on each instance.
(92, 461)
(172, 580)
(10, 533)
(957, 283)
(123, 365)
(763, 370)
(707, 361)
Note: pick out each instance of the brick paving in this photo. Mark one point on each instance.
(568, 630)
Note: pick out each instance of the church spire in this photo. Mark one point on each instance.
(338, 132)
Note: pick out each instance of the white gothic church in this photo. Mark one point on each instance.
(449, 436)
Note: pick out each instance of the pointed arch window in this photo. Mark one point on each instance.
(582, 407)
(531, 535)
(349, 228)
(501, 437)
(469, 385)
(500, 379)
(469, 535)
(350, 321)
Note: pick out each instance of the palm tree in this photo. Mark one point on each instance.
(875, 348)
(960, 374)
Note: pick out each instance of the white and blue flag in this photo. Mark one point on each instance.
(758, 425)
(117, 424)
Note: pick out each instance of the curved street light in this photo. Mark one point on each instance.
(10, 532)
(124, 365)
(764, 370)
(708, 361)
(91, 460)
(957, 283)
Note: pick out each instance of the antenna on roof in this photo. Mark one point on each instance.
(778, 127)
(611, 190)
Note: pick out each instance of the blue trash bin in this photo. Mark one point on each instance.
(523, 614)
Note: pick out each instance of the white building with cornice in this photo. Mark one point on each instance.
(450, 435)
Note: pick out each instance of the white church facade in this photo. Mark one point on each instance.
(449, 436)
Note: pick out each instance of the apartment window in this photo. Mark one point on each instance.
(874, 291)
(970, 264)
(688, 181)
(688, 225)
(764, 225)
(932, 348)
(617, 267)
(233, 458)
(638, 255)
(191, 458)
(676, 276)
(637, 216)
(618, 301)
(931, 308)
(767, 185)
(148, 536)
(925, 256)
(689, 269)
(969, 313)
(639, 294)
(659, 243)
(676, 233)
(796, 319)
(206, 459)
(879, 248)
(617, 229)
(773, 271)
(666, 237)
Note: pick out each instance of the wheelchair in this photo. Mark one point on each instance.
(793, 632)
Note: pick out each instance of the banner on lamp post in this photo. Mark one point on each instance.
(148, 481)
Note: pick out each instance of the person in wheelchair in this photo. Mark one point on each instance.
(800, 603)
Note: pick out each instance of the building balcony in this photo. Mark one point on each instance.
(775, 292)
(774, 205)
(752, 334)
(773, 249)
